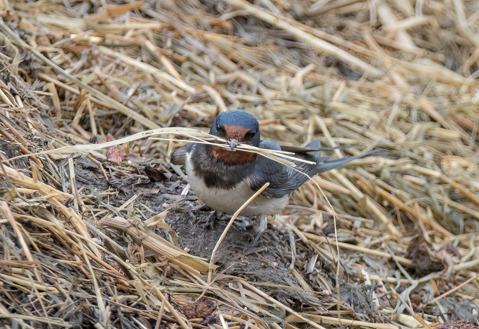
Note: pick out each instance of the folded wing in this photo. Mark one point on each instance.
(283, 179)
(179, 156)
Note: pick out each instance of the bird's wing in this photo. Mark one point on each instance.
(323, 164)
(179, 156)
(266, 170)
(284, 180)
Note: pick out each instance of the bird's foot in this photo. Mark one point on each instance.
(210, 221)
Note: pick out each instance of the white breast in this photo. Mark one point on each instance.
(229, 201)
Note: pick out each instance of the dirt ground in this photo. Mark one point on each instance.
(197, 230)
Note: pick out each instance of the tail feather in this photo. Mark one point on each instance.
(331, 164)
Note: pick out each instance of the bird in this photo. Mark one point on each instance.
(225, 178)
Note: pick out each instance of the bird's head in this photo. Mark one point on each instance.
(236, 127)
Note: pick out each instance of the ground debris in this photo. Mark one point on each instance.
(461, 324)
(426, 260)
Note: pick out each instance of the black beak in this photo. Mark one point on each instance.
(232, 142)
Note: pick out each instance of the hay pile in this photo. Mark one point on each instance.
(91, 239)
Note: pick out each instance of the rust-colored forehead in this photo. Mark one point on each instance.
(234, 131)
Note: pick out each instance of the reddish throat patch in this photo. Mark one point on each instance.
(232, 157)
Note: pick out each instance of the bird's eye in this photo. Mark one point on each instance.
(249, 135)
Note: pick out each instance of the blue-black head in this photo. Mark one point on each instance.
(237, 126)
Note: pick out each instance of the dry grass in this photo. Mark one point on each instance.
(396, 75)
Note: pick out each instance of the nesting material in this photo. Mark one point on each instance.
(97, 228)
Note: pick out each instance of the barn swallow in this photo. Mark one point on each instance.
(224, 179)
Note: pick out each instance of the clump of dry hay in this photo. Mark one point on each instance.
(379, 74)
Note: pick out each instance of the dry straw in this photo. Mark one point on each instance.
(396, 75)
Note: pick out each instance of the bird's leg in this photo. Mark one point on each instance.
(213, 217)
(260, 226)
